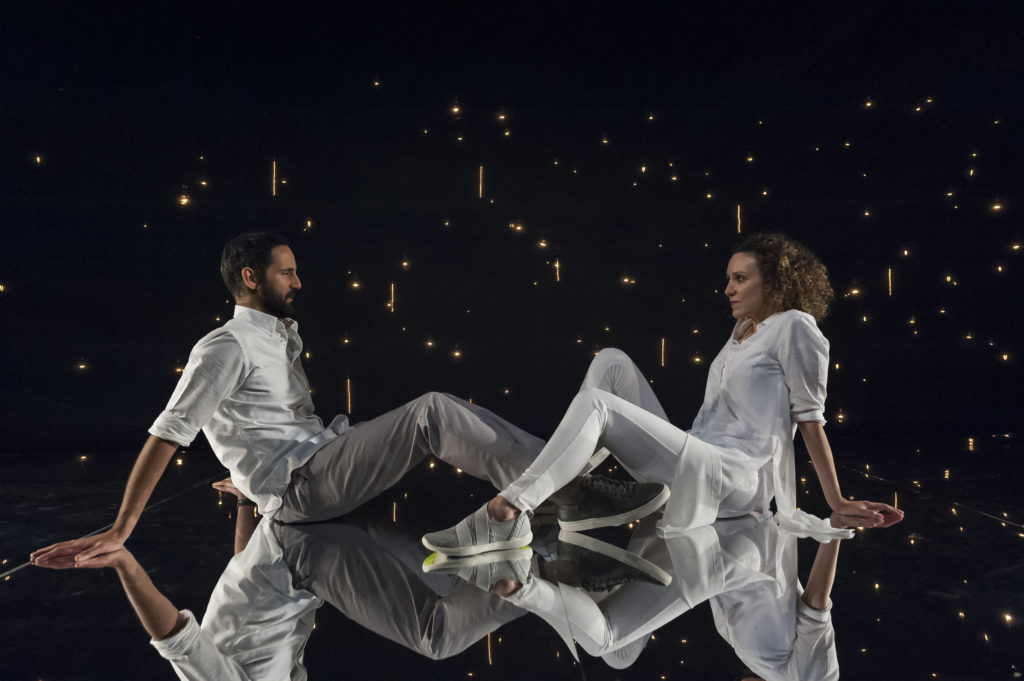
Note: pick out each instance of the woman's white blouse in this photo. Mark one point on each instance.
(757, 392)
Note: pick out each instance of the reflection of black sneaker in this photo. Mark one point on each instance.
(602, 567)
(606, 502)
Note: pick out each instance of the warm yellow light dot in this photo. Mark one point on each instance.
(542, 243)
(81, 458)
(184, 199)
(456, 109)
(81, 366)
(604, 140)
(376, 83)
(508, 132)
(868, 104)
(179, 370)
(650, 117)
(960, 615)
(1006, 358)
(356, 284)
(180, 461)
(674, 178)
(1015, 247)
(457, 354)
(708, 195)
(750, 159)
(643, 169)
(996, 207)
(429, 343)
(697, 359)
(917, 109)
(867, 213)
(846, 144)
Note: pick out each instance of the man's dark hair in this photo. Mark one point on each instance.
(247, 250)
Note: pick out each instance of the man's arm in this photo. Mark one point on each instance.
(149, 467)
(813, 434)
(246, 516)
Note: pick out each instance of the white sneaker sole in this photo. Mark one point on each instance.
(476, 549)
(622, 555)
(620, 519)
(439, 562)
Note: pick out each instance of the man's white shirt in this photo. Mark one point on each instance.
(245, 388)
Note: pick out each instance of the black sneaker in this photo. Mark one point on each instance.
(599, 566)
(606, 502)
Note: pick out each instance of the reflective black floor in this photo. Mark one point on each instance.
(936, 596)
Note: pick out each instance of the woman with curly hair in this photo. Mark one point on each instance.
(767, 382)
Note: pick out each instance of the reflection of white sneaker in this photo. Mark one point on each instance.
(626, 655)
(484, 569)
(477, 533)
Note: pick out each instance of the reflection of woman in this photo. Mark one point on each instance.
(768, 381)
(745, 567)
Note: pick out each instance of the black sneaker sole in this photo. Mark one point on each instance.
(620, 519)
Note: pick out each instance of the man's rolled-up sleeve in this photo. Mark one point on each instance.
(803, 354)
(215, 369)
(195, 657)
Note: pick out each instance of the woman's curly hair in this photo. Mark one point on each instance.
(794, 279)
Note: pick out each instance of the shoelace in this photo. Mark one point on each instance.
(607, 485)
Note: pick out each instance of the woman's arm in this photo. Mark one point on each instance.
(823, 575)
(813, 434)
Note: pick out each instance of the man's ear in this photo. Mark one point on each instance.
(249, 279)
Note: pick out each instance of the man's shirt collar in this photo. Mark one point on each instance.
(267, 322)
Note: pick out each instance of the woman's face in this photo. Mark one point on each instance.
(744, 289)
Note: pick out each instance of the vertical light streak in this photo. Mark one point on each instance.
(480, 183)
(558, 271)
(662, 352)
(890, 282)
(394, 511)
(348, 395)
(738, 221)
(392, 303)
(490, 660)
(273, 177)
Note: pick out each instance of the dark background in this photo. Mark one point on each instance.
(109, 113)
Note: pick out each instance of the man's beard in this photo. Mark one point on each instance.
(274, 304)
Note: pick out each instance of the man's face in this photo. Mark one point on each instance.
(276, 288)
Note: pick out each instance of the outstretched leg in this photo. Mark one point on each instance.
(374, 455)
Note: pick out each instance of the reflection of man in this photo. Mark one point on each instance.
(245, 387)
(261, 611)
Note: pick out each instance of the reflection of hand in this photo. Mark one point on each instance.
(68, 553)
(849, 522)
(226, 485)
